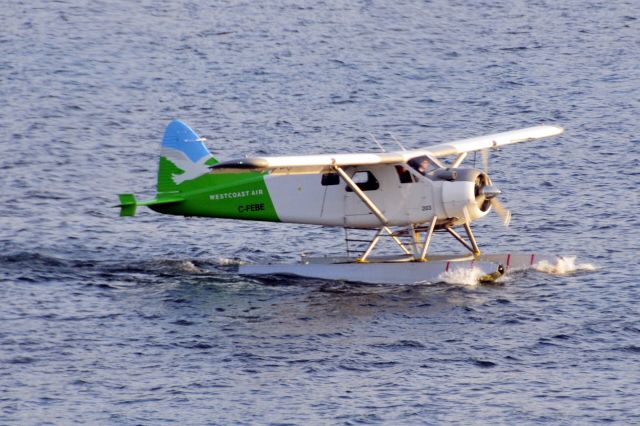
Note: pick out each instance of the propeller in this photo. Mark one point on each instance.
(502, 211)
(490, 193)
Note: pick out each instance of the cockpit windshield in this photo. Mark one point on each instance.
(422, 164)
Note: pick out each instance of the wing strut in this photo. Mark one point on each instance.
(366, 200)
(458, 160)
(375, 210)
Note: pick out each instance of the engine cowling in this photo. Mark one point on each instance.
(465, 189)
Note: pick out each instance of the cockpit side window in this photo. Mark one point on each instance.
(421, 164)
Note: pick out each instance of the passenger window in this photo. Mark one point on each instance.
(365, 181)
(404, 174)
(330, 179)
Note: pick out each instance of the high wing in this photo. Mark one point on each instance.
(303, 164)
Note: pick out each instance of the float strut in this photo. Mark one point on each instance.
(427, 241)
(472, 248)
(472, 238)
(372, 244)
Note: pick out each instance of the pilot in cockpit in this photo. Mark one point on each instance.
(420, 164)
(423, 168)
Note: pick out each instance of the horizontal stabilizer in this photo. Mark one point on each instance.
(128, 203)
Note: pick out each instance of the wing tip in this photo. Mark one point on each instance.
(557, 129)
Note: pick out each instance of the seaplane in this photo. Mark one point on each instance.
(404, 196)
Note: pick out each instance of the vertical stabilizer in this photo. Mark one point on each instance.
(183, 157)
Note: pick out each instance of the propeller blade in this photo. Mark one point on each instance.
(491, 192)
(502, 211)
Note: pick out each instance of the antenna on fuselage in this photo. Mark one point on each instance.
(397, 141)
(377, 143)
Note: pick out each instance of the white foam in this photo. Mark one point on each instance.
(462, 276)
(223, 261)
(563, 266)
(188, 266)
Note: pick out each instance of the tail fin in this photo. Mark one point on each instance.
(183, 157)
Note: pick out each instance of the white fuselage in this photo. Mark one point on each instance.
(307, 198)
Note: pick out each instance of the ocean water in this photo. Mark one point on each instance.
(109, 320)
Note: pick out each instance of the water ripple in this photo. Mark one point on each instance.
(145, 321)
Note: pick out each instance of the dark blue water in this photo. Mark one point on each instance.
(109, 320)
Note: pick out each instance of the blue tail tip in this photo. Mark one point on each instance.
(180, 137)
